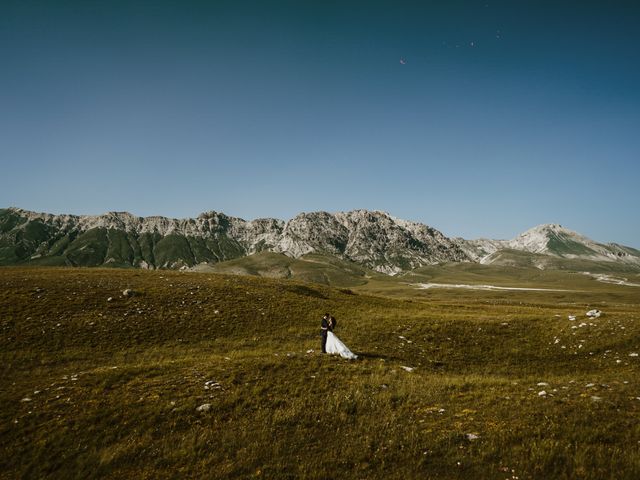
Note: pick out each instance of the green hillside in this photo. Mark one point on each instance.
(32, 242)
(516, 258)
(201, 375)
(316, 268)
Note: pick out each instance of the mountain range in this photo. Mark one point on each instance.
(371, 239)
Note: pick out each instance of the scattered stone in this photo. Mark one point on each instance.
(408, 369)
(110, 299)
(127, 292)
(216, 312)
(594, 313)
(472, 436)
(26, 399)
(542, 393)
(589, 385)
(595, 398)
(633, 354)
(572, 317)
(543, 384)
(205, 407)
(311, 350)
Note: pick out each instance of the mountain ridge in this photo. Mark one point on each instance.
(373, 239)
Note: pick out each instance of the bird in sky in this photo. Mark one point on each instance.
(402, 61)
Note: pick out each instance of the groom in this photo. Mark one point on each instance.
(324, 328)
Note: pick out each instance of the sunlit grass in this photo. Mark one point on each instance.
(119, 381)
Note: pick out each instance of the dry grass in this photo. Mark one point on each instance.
(118, 382)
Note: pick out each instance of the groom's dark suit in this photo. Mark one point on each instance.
(324, 328)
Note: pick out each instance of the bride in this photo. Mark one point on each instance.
(335, 346)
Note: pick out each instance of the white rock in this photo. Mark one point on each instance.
(472, 436)
(408, 369)
(205, 407)
(26, 399)
(594, 313)
(572, 317)
(110, 299)
(127, 292)
(542, 393)
(633, 354)
(373, 238)
(595, 398)
(543, 384)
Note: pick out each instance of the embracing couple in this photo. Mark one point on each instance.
(331, 343)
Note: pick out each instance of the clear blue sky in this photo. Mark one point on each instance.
(477, 118)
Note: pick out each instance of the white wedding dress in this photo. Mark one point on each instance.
(335, 346)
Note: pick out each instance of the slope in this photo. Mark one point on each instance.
(316, 268)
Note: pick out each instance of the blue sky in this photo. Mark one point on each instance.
(477, 118)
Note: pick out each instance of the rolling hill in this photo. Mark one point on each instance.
(314, 268)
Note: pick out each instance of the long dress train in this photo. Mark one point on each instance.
(335, 346)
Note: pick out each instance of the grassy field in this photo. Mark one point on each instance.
(202, 375)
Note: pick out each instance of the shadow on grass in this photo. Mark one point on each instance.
(376, 356)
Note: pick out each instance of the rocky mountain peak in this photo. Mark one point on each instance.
(542, 238)
(372, 238)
